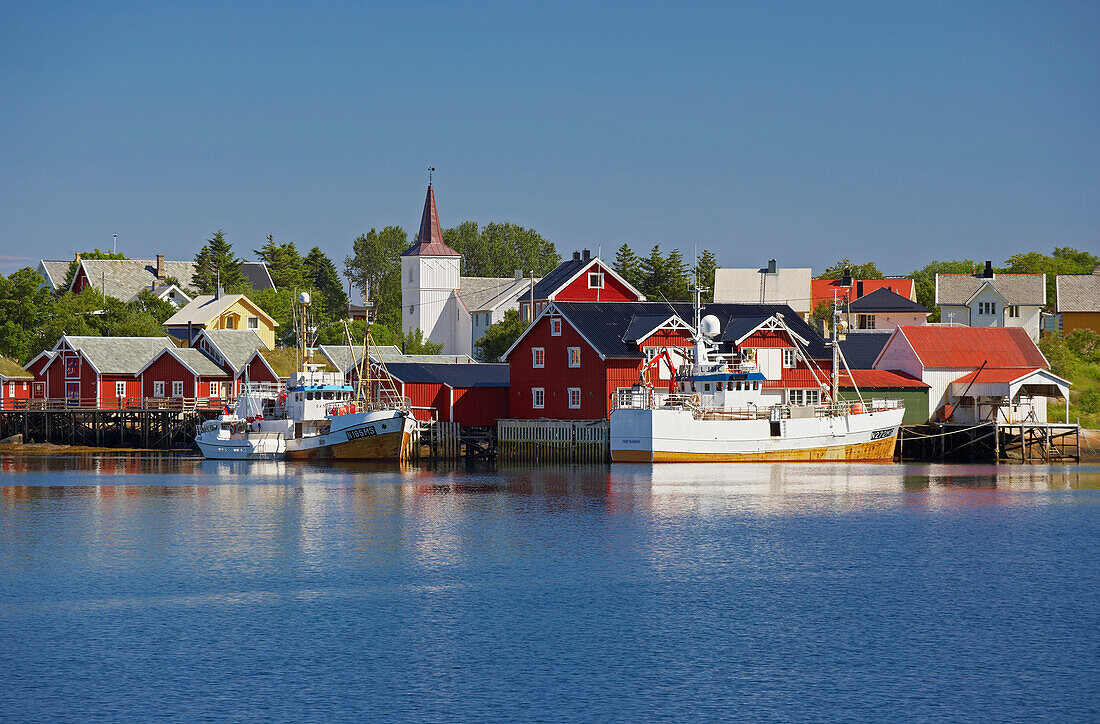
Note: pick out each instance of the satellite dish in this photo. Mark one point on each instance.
(303, 298)
(709, 326)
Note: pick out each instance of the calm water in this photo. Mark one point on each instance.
(146, 588)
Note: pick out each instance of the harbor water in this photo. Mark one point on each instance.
(137, 587)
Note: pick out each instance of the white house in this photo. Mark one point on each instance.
(769, 285)
(975, 373)
(986, 299)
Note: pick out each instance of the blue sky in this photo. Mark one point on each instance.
(804, 131)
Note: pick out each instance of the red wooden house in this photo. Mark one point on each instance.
(583, 278)
(37, 368)
(16, 384)
(239, 352)
(186, 374)
(576, 357)
(468, 393)
(99, 371)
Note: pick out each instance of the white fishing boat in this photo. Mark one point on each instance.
(720, 410)
(318, 416)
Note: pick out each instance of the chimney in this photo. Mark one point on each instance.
(576, 256)
(846, 280)
(771, 266)
(988, 273)
(586, 255)
(160, 268)
(78, 257)
(859, 288)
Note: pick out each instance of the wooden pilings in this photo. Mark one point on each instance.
(130, 428)
(989, 442)
(553, 441)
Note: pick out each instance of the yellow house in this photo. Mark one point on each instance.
(1078, 300)
(227, 311)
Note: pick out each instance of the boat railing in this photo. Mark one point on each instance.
(650, 399)
(382, 400)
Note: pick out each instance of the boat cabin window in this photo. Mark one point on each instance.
(328, 396)
(706, 387)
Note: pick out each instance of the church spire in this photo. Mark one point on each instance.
(429, 242)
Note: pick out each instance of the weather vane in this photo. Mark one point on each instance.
(430, 170)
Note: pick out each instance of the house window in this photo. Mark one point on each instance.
(11, 389)
(120, 389)
(987, 307)
(253, 322)
(574, 398)
(555, 327)
(574, 356)
(866, 321)
(788, 358)
(177, 388)
(595, 280)
(794, 397)
(215, 389)
(410, 273)
(410, 309)
(1012, 310)
(538, 398)
(158, 388)
(230, 322)
(812, 397)
(538, 357)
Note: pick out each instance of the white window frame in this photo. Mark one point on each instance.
(215, 388)
(865, 321)
(794, 397)
(574, 391)
(538, 398)
(120, 389)
(555, 327)
(177, 388)
(253, 322)
(158, 388)
(538, 357)
(574, 352)
(813, 397)
(789, 359)
(1013, 311)
(11, 389)
(598, 277)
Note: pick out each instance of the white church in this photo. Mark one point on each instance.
(448, 308)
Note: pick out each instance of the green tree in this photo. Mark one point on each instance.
(677, 284)
(284, 263)
(90, 256)
(321, 275)
(413, 342)
(499, 248)
(500, 336)
(652, 270)
(1064, 260)
(374, 268)
(216, 263)
(148, 303)
(866, 270)
(628, 265)
(924, 279)
(704, 273)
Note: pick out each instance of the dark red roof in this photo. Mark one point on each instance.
(429, 242)
(971, 346)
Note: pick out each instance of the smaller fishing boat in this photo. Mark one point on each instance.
(240, 434)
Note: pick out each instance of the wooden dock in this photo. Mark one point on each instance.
(152, 429)
(1028, 442)
(554, 441)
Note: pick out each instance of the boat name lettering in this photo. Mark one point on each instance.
(881, 434)
(361, 432)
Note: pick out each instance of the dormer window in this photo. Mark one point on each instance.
(595, 280)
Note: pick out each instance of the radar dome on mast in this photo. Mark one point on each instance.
(709, 326)
(303, 298)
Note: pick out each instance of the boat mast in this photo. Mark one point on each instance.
(835, 377)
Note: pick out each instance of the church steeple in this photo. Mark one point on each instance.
(429, 242)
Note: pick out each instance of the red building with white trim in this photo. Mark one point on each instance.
(584, 278)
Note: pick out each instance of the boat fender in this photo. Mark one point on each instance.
(351, 408)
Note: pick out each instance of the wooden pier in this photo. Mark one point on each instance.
(554, 441)
(1028, 442)
(152, 429)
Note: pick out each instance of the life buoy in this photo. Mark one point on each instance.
(857, 408)
(694, 399)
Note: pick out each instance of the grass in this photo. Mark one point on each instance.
(1076, 357)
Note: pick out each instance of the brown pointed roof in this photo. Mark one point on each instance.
(429, 242)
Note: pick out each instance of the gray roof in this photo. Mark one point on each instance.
(119, 355)
(1017, 289)
(200, 363)
(344, 358)
(486, 293)
(125, 278)
(203, 308)
(235, 345)
(447, 359)
(257, 275)
(1078, 292)
(55, 269)
(886, 300)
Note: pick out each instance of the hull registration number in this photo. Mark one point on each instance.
(882, 434)
(367, 431)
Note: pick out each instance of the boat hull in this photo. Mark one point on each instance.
(373, 437)
(667, 435)
(265, 447)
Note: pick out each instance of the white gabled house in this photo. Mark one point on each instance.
(987, 299)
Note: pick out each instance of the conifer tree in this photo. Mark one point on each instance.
(284, 263)
(627, 265)
(677, 285)
(322, 276)
(704, 274)
(216, 263)
(652, 270)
